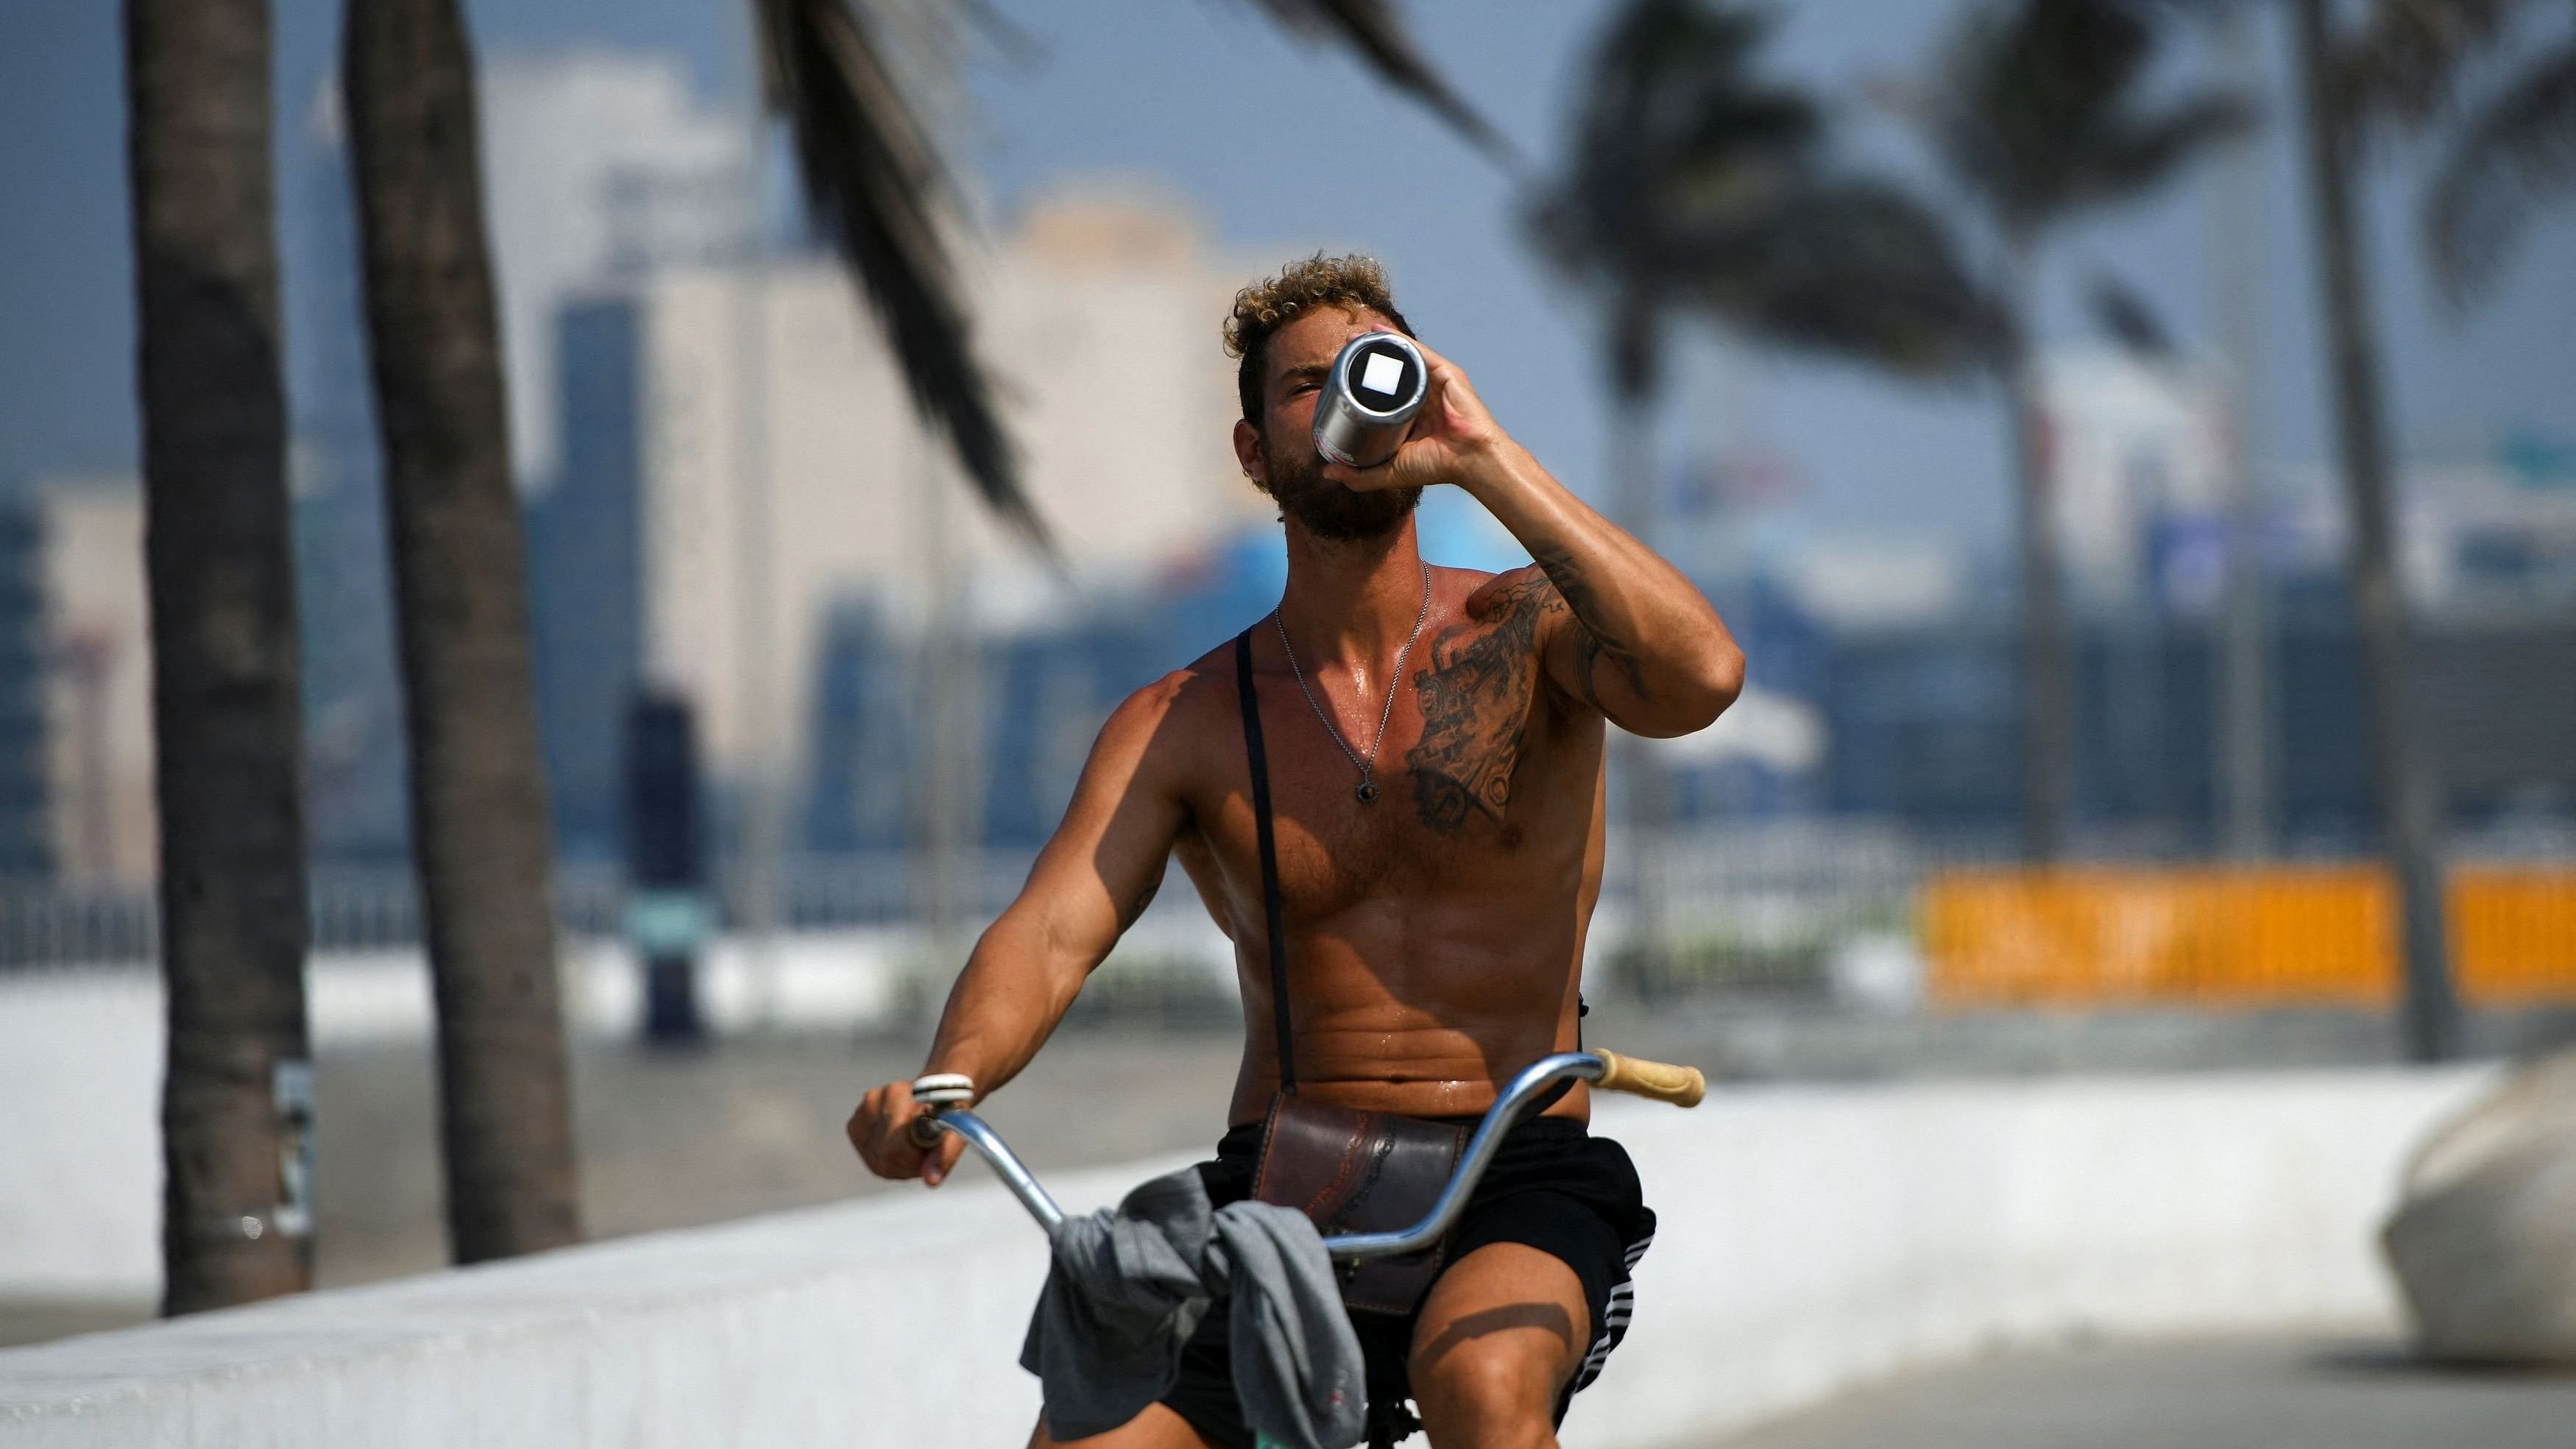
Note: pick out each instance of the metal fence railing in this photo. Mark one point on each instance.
(44, 923)
(49, 925)
(1770, 907)
(1773, 909)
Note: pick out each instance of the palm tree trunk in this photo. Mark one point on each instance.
(2048, 695)
(480, 836)
(2401, 782)
(226, 731)
(1635, 359)
(2241, 676)
(1648, 794)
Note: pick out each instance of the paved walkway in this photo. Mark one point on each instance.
(2202, 1394)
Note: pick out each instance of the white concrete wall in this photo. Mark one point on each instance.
(1815, 1238)
(892, 1321)
(1811, 1238)
(80, 1134)
(81, 1066)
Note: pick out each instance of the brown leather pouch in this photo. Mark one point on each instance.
(1361, 1172)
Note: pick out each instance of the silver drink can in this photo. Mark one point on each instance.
(1369, 399)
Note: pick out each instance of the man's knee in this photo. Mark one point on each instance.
(1498, 1338)
(1488, 1391)
(1489, 1375)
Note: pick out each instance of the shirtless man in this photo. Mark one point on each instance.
(1434, 932)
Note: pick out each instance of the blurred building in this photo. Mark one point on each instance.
(356, 806)
(2475, 535)
(1765, 756)
(2140, 460)
(1919, 682)
(76, 789)
(860, 795)
(2138, 452)
(717, 453)
(1043, 686)
(596, 166)
(585, 578)
(743, 466)
(1925, 722)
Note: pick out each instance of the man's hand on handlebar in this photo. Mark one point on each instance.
(881, 1129)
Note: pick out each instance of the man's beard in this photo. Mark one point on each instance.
(1325, 508)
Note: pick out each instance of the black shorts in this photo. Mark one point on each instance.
(1553, 1185)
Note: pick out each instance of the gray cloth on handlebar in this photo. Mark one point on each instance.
(1128, 1288)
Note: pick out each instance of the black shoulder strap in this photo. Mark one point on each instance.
(1269, 859)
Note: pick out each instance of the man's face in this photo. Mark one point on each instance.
(1281, 456)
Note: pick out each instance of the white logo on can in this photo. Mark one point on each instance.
(1383, 371)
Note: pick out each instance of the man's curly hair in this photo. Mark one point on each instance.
(1301, 286)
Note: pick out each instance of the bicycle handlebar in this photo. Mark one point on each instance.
(1681, 1086)
(1006, 1164)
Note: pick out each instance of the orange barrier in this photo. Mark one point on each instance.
(2218, 936)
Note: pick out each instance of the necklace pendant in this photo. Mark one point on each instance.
(1367, 791)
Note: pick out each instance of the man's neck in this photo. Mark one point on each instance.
(1352, 601)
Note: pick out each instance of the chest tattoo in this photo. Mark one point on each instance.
(1475, 698)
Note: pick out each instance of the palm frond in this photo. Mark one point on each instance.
(1373, 30)
(2406, 60)
(2130, 319)
(1694, 185)
(1852, 268)
(2042, 112)
(2030, 84)
(875, 184)
(2517, 152)
(2136, 154)
(1673, 134)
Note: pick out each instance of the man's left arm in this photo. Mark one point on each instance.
(1634, 640)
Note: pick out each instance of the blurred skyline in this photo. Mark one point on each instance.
(1208, 100)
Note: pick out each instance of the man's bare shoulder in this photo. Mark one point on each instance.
(1169, 720)
(1516, 614)
(1495, 597)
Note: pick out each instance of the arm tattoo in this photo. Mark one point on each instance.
(1475, 703)
(1594, 642)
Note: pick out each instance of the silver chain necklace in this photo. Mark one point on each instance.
(1367, 767)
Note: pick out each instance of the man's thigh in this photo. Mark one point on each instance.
(1156, 1428)
(1501, 1333)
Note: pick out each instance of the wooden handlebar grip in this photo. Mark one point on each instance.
(1681, 1086)
(925, 1132)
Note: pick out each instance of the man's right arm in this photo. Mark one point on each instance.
(1090, 883)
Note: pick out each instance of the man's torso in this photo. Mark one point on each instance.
(1434, 933)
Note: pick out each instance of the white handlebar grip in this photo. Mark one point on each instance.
(937, 1089)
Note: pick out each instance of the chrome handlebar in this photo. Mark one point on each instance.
(1014, 1173)
(1343, 1247)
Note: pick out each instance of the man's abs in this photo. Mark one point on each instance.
(1417, 1006)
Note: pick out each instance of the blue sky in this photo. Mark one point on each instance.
(1286, 146)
